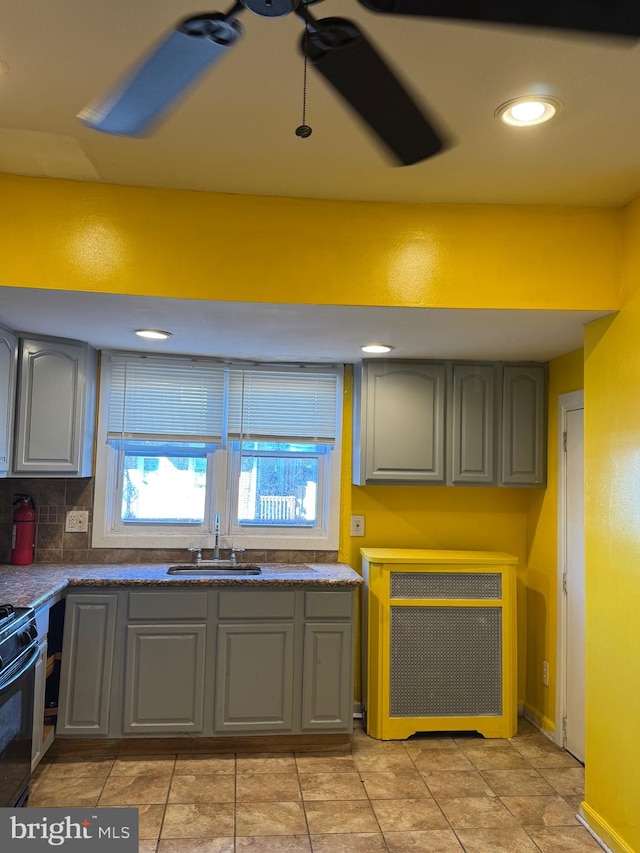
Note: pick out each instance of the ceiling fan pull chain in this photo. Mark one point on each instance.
(304, 131)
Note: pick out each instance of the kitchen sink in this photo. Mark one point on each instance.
(221, 567)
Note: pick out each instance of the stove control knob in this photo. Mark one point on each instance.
(25, 637)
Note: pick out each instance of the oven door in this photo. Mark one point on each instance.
(16, 727)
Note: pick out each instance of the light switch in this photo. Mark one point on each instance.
(357, 525)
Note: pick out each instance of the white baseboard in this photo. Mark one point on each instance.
(593, 834)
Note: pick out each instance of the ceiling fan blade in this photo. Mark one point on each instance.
(175, 64)
(342, 54)
(613, 17)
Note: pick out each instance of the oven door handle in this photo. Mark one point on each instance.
(23, 669)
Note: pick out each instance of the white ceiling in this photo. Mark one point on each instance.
(267, 331)
(235, 132)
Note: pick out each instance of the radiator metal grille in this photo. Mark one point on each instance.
(446, 585)
(445, 661)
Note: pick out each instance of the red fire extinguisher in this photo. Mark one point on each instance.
(24, 531)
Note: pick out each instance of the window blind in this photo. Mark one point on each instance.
(289, 402)
(196, 399)
(173, 398)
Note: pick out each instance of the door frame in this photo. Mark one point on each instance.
(566, 403)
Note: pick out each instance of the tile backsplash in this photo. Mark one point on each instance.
(55, 497)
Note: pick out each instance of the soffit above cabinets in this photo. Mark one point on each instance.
(285, 332)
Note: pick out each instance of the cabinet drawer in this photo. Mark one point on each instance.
(320, 605)
(256, 604)
(167, 605)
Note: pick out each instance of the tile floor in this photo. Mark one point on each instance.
(429, 794)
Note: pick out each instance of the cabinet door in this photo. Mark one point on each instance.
(164, 678)
(8, 361)
(404, 422)
(38, 704)
(327, 701)
(254, 677)
(87, 664)
(473, 434)
(52, 399)
(523, 426)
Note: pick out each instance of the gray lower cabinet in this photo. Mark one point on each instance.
(212, 661)
(327, 676)
(164, 676)
(254, 677)
(87, 663)
(164, 671)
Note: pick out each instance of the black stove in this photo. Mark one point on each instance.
(18, 655)
(18, 633)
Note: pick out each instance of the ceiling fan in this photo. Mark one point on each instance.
(340, 52)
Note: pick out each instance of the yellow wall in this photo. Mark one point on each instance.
(565, 375)
(612, 560)
(95, 237)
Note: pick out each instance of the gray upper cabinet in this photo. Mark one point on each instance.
(400, 410)
(55, 408)
(454, 423)
(87, 664)
(8, 362)
(473, 433)
(524, 426)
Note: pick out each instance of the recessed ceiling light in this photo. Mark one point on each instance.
(152, 334)
(376, 348)
(527, 111)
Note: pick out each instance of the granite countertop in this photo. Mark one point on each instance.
(36, 584)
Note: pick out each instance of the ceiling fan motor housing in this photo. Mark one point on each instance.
(214, 26)
(271, 8)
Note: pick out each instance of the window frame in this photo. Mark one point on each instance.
(328, 468)
(223, 462)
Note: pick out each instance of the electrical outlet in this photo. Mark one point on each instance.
(545, 673)
(77, 521)
(357, 525)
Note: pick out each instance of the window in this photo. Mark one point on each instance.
(277, 484)
(182, 440)
(163, 482)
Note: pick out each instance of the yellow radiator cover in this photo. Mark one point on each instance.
(439, 642)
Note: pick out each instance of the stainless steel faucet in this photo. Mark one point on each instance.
(216, 537)
(233, 552)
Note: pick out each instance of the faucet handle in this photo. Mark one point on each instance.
(235, 551)
(197, 554)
